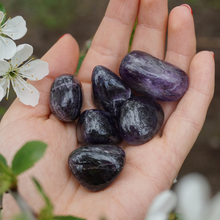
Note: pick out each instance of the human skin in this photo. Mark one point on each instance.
(151, 167)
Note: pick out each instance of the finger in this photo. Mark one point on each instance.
(62, 58)
(111, 40)
(150, 33)
(186, 121)
(181, 45)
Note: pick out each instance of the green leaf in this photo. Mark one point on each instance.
(67, 218)
(132, 36)
(4, 169)
(26, 157)
(81, 58)
(3, 160)
(47, 212)
(3, 10)
(4, 185)
(41, 191)
(7, 178)
(20, 217)
(6, 182)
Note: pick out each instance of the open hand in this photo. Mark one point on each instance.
(151, 167)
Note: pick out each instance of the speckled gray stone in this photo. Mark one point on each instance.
(96, 166)
(109, 91)
(66, 98)
(152, 77)
(97, 127)
(140, 120)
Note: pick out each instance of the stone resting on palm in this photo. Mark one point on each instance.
(151, 167)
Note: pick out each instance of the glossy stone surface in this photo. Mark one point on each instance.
(140, 120)
(66, 98)
(152, 77)
(97, 127)
(96, 166)
(109, 91)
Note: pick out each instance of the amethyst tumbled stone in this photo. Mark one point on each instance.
(97, 127)
(140, 120)
(109, 91)
(66, 97)
(96, 166)
(153, 77)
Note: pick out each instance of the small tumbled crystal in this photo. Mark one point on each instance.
(109, 91)
(97, 127)
(96, 166)
(140, 120)
(66, 98)
(153, 77)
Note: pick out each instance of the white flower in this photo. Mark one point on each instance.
(14, 71)
(161, 206)
(14, 28)
(175, 181)
(193, 193)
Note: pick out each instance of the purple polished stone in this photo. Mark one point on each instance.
(140, 120)
(97, 127)
(66, 98)
(152, 77)
(109, 91)
(96, 166)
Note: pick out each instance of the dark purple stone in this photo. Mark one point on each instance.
(66, 98)
(140, 120)
(96, 166)
(97, 127)
(109, 91)
(152, 77)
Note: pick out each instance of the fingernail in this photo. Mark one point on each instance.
(64, 35)
(186, 5)
(213, 54)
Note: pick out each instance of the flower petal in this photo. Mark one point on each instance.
(2, 15)
(175, 181)
(4, 67)
(23, 52)
(2, 93)
(193, 192)
(15, 28)
(214, 210)
(158, 216)
(162, 205)
(26, 93)
(7, 48)
(35, 70)
(3, 87)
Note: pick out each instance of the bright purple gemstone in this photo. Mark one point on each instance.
(97, 127)
(96, 166)
(140, 120)
(152, 77)
(109, 91)
(66, 98)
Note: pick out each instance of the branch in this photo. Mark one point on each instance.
(23, 205)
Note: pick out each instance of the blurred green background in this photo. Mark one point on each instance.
(48, 20)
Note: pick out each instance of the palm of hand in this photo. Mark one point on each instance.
(149, 168)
